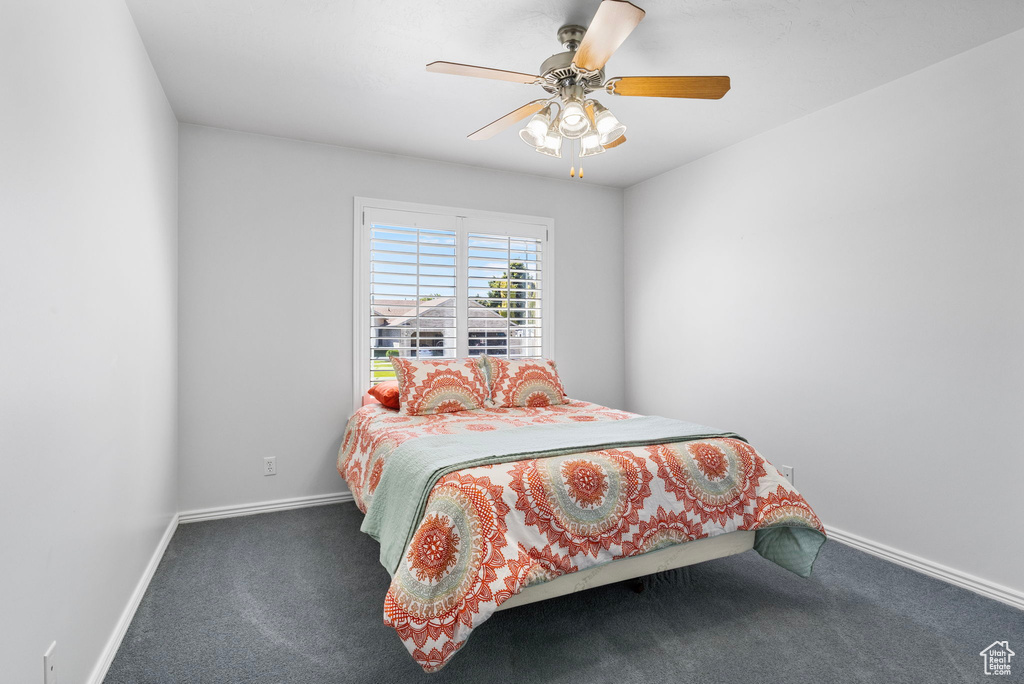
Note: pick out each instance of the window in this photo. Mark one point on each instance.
(439, 282)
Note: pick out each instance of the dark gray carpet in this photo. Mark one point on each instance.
(297, 597)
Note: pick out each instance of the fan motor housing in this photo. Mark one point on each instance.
(557, 71)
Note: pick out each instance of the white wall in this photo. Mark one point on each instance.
(266, 298)
(88, 263)
(846, 291)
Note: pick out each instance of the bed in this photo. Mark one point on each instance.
(578, 500)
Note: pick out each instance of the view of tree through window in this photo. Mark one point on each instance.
(513, 293)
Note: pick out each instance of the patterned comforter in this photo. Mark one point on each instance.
(489, 531)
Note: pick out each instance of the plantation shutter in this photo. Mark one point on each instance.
(412, 288)
(443, 286)
(504, 289)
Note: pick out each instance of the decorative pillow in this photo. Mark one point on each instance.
(523, 382)
(427, 386)
(386, 393)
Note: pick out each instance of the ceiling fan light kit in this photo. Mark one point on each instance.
(571, 75)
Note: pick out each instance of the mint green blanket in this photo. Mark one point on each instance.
(412, 469)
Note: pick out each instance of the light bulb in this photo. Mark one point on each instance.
(573, 114)
(537, 128)
(573, 123)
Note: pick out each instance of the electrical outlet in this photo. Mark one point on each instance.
(787, 472)
(50, 665)
(270, 465)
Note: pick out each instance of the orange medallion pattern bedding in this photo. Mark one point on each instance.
(489, 531)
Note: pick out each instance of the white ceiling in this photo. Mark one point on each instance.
(351, 72)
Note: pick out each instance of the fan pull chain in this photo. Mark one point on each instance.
(572, 155)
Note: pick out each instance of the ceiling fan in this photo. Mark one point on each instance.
(572, 75)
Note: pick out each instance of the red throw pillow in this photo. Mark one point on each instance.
(386, 393)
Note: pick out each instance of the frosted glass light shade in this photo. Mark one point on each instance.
(552, 145)
(537, 128)
(590, 144)
(608, 126)
(573, 123)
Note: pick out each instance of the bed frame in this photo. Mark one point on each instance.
(669, 558)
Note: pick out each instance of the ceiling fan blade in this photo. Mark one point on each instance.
(614, 21)
(498, 125)
(615, 143)
(702, 87)
(480, 72)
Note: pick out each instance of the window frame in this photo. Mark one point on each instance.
(465, 221)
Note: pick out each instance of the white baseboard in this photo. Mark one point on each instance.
(991, 590)
(99, 672)
(202, 514)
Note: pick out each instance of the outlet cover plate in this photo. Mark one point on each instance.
(270, 465)
(787, 472)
